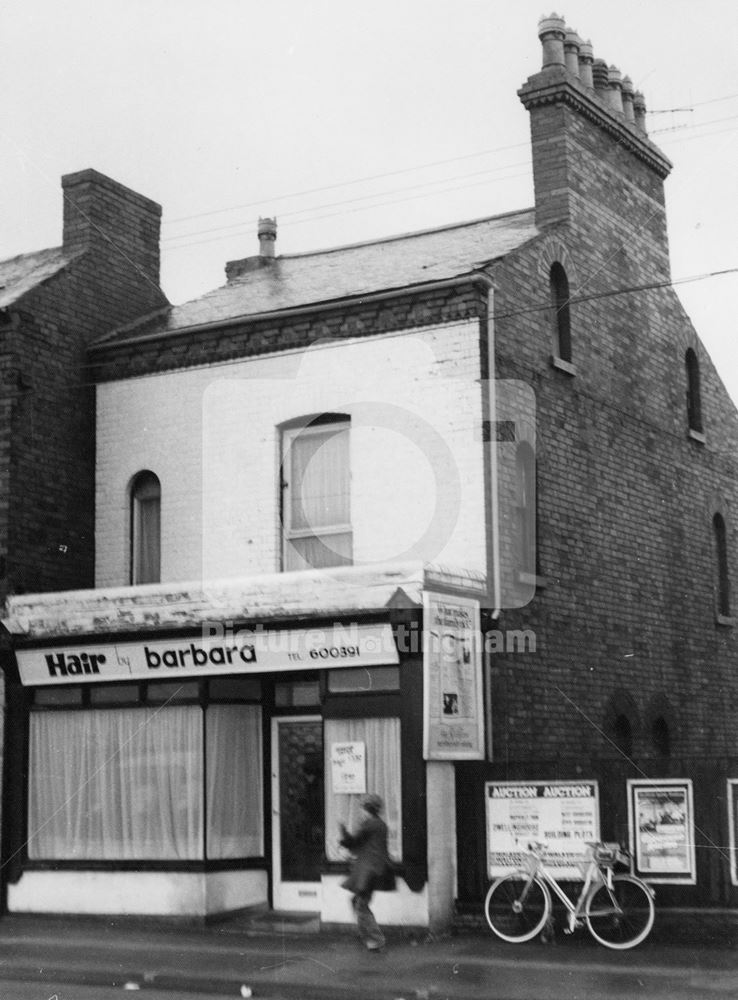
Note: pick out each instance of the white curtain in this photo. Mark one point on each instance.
(319, 499)
(113, 785)
(234, 784)
(382, 741)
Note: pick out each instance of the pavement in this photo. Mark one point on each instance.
(284, 962)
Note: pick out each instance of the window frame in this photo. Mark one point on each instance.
(141, 482)
(323, 425)
(560, 301)
(694, 392)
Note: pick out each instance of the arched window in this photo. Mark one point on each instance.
(562, 319)
(525, 508)
(622, 732)
(723, 578)
(661, 736)
(694, 401)
(145, 529)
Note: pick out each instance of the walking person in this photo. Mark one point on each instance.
(370, 868)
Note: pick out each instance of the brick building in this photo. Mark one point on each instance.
(505, 432)
(53, 304)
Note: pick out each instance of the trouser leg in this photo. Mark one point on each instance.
(369, 930)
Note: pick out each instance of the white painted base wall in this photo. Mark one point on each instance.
(401, 908)
(442, 873)
(181, 894)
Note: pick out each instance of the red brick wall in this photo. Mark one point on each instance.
(46, 394)
(626, 621)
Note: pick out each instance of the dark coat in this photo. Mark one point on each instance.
(371, 867)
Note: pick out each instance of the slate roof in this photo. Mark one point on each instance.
(19, 275)
(344, 272)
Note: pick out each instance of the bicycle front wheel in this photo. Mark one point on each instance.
(517, 906)
(623, 916)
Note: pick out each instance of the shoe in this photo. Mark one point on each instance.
(373, 946)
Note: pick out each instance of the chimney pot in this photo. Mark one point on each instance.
(615, 90)
(628, 99)
(586, 58)
(572, 42)
(267, 231)
(552, 32)
(600, 77)
(639, 110)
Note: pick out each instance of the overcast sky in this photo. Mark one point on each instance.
(349, 121)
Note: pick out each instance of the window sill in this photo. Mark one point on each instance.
(532, 580)
(728, 621)
(563, 366)
(697, 436)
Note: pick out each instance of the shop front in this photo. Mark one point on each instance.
(192, 751)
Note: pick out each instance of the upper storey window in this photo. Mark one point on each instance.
(145, 529)
(723, 577)
(694, 400)
(562, 319)
(316, 494)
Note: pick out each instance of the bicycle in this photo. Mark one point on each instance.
(617, 909)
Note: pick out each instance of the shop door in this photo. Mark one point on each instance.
(297, 812)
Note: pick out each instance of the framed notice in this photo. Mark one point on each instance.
(453, 707)
(348, 768)
(661, 824)
(733, 827)
(563, 815)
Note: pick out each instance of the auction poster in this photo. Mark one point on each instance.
(661, 824)
(733, 827)
(453, 716)
(563, 815)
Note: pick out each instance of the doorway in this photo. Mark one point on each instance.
(298, 811)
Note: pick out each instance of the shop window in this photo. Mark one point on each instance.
(234, 765)
(235, 689)
(145, 529)
(694, 400)
(363, 679)
(380, 740)
(525, 509)
(171, 692)
(723, 577)
(53, 696)
(315, 482)
(115, 694)
(297, 694)
(129, 784)
(562, 319)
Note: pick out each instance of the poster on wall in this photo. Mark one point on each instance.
(733, 827)
(563, 815)
(348, 768)
(661, 824)
(453, 708)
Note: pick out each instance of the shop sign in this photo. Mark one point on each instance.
(227, 652)
(563, 815)
(348, 768)
(661, 824)
(453, 707)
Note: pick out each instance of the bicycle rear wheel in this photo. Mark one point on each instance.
(623, 916)
(517, 906)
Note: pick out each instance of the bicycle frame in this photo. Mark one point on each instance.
(594, 877)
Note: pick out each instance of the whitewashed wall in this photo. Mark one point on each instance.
(211, 435)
